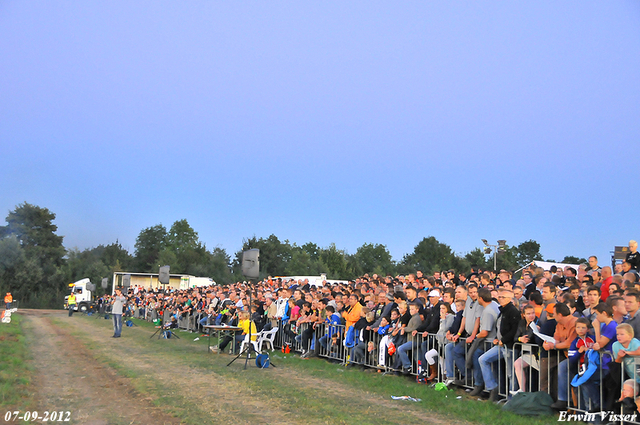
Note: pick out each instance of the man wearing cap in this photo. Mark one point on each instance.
(8, 299)
(432, 314)
(431, 322)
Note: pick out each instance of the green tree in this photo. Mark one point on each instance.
(182, 237)
(429, 256)
(313, 250)
(570, 259)
(274, 256)
(374, 258)
(148, 245)
(527, 252)
(218, 265)
(34, 228)
(336, 262)
(114, 254)
(477, 258)
(35, 273)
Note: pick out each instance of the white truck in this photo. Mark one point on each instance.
(83, 290)
(188, 282)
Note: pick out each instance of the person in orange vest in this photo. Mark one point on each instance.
(8, 299)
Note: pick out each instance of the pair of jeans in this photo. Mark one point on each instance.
(454, 353)
(404, 357)
(117, 324)
(494, 354)
(478, 379)
(563, 380)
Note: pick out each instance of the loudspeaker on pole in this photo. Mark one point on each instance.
(251, 263)
(163, 276)
(126, 281)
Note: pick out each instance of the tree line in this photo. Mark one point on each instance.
(36, 267)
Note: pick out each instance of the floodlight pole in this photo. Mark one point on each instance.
(501, 244)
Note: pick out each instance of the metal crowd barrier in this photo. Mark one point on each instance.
(524, 364)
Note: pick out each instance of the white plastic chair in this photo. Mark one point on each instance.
(254, 343)
(268, 337)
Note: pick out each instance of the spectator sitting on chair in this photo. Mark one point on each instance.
(247, 325)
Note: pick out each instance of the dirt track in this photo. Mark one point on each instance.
(68, 378)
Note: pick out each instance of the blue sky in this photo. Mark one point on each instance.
(331, 122)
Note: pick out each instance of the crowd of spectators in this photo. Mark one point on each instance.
(569, 332)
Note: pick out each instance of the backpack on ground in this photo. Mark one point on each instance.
(531, 404)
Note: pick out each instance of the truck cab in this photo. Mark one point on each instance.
(84, 295)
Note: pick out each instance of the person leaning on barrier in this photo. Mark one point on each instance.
(507, 327)
(352, 313)
(365, 340)
(525, 335)
(564, 335)
(410, 331)
(385, 331)
(487, 333)
(625, 352)
(578, 364)
(309, 315)
(332, 321)
(455, 353)
(593, 299)
(447, 317)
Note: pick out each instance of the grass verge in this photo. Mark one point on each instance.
(15, 372)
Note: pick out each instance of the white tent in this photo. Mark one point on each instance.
(547, 265)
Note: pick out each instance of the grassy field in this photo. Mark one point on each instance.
(15, 372)
(182, 379)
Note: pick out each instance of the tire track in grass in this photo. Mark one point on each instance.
(68, 379)
(306, 399)
(219, 397)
